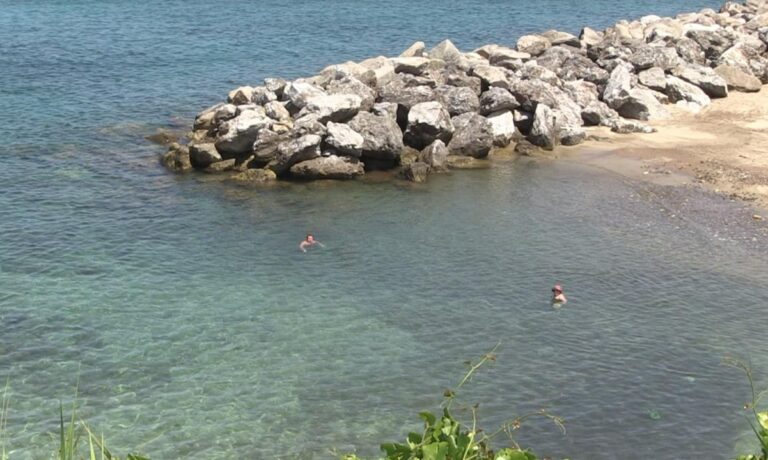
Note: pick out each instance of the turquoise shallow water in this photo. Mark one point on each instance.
(198, 330)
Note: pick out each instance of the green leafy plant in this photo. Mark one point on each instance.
(446, 438)
(758, 420)
(71, 434)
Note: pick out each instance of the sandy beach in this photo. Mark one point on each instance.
(723, 147)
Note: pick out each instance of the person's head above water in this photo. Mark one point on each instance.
(557, 289)
(310, 237)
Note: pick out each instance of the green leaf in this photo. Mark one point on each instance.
(414, 439)
(435, 451)
(762, 418)
(514, 454)
(428, 417)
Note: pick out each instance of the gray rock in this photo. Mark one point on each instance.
(203, 155)
(490, 76)
(653, 78)
(597, 113)
(590, 37)
(241, 95)
(457, 100)
(461, 80)
(704, 77)
(460, 121)
(382, 138)
(571, 135)
(415, 172)
(295, 151)
(543, 131)
(581, 92)
(236, 136)
(680, 90)
(435, 155)
(503, 128)
(427, 122)
(533, 71)
(277, 111)
(641, 104)
(621, 126)
(412, 65)
(330, 167)
(388, 109)
(220, 166)
(556, 38)
(276, 85)
(349, 69)
(474, 138)
(308, 124)
(663, 29)
(212, 116)
(177, 158)
(266, 143)
(618, 87)
(262, 95)
(759, 21)
(711, 42)
(529, 93)
(383, 70)
(763, 34)
(738, 80)
(396, 92)
(447, 51)
(570, 64)
(649, 56)
(525, 148)
(333, 107)
(344, 140)
(690, 51)
(533, 44)
(255, 176)
(736, 57)
(415, 50)
(351, 85)
(497, 99)
(298, 92)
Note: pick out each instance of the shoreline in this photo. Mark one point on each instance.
(720, 149)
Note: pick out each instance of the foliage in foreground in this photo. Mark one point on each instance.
(70, 435)
(445, 438)
(758, 420)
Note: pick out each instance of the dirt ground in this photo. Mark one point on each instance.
(723, 147)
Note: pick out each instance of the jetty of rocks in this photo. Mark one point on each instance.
(429, 110)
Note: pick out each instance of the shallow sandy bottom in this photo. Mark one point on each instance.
(723, 147)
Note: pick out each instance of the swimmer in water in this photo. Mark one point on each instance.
(558, 298)
(308, 242)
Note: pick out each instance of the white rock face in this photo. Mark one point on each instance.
(502, 127)
(344, 139)
(333, 107)
(427, 122)
(237, 135)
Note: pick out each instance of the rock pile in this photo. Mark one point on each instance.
(422, 110)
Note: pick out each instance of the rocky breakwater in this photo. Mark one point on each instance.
(426, 111)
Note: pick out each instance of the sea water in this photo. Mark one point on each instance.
(180, 312)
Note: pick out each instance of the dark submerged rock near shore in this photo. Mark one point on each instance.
(455, 107)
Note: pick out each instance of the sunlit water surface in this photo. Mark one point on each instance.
(195, 327)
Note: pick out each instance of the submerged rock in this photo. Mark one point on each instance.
(330, 167)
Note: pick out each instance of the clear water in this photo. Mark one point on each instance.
(197, 330)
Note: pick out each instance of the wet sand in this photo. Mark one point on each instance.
(724, 148)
